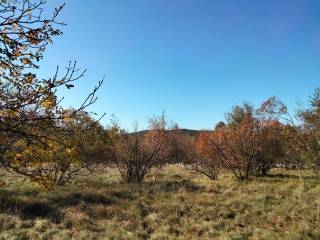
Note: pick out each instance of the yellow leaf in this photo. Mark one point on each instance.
(48, 104)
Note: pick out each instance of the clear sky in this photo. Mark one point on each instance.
(192, 58)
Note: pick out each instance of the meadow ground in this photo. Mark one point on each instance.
(172, 204)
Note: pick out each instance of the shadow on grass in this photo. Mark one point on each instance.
(73, 199)
(280, 177)
(27, 209)
(291, 176)
(89, 198)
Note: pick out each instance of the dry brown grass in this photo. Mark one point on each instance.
(172, 204)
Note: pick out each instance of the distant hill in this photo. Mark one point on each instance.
(192, 132)
(186, 131)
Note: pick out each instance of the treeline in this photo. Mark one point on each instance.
(251, 142)
(51, 145)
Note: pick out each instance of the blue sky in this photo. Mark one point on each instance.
(192, 58)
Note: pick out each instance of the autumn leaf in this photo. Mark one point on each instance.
(47, 104)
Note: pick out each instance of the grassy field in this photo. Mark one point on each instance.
(173, 204)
